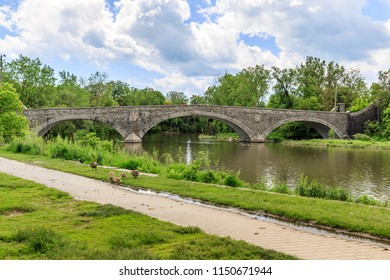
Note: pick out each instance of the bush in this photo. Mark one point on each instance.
(24, 148)
(365, 199)
(315, 189)
(232, 181)
(281, 188)
(362, 137)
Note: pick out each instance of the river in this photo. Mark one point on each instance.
(358, 170)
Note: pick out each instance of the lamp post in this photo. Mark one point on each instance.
(335, 99)
(1, 68)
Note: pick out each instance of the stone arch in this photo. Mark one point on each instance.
(50, 123)
(242, 130)
(320, 125)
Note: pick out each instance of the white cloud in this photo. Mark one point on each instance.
(158, 35)
(185, 84)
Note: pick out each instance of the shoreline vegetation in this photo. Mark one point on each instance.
(341, 143)
(310, 202)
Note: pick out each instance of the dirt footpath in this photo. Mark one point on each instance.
(218, 221)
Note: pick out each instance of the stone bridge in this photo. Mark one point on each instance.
(251, 124)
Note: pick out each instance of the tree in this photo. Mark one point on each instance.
(310, 77)
(285, 88)
(34, 82)
(120, 92)
(176, 98)
(381, 89)
(69, 92)
(146, 96)
(99, 90)
(247, 88)
(12, 121)
(197, 100)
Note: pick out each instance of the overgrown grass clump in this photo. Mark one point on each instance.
(314, 189)
(59, 227)
(200, 171)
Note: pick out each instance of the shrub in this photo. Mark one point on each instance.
(365, 199)
(232, 181)
(362, 137)
(281, 188)
(315, 189)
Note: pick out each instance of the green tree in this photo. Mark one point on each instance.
(284, 89)
(99, 90)
(120, 92)
(69, 92)
(198, 100)
(33, 81)
(176, 98)
(12, 121)
(381, 89)
(310, 77)
(146, 96)
(247, 88)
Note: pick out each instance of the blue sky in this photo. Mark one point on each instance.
(183, 45)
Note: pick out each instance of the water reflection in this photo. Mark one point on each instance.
(361, 171)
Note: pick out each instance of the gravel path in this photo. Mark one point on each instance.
(213, 220)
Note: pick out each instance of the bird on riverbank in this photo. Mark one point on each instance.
(113, 179)
(135, 173)
(93, 165)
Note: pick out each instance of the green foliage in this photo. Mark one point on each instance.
(379, 130)
(314, 84)
(144, 163)
(373, 129)
(293, 130)
(12, 121)
(331, 134)
(381, 89)
(176, 98)
(280, 188)
(34, 82)
(359, 104)
(385, 131)
(368, 200)
(199, 170)
(362, 137)
(315, 189)
(246, 88)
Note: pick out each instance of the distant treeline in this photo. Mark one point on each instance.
(313, 85)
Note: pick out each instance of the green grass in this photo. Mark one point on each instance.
(43, 223)
(342, 143)
(338, 214)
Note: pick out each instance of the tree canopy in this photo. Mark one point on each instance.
(12, 121)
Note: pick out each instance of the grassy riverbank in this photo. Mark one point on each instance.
(341, 143)
(337, 214)
(43, 223)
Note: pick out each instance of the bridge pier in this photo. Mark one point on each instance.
(258, 139)
(132, 138)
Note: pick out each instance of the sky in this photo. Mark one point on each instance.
(178, 45)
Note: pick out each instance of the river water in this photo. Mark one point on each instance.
(358, 170)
